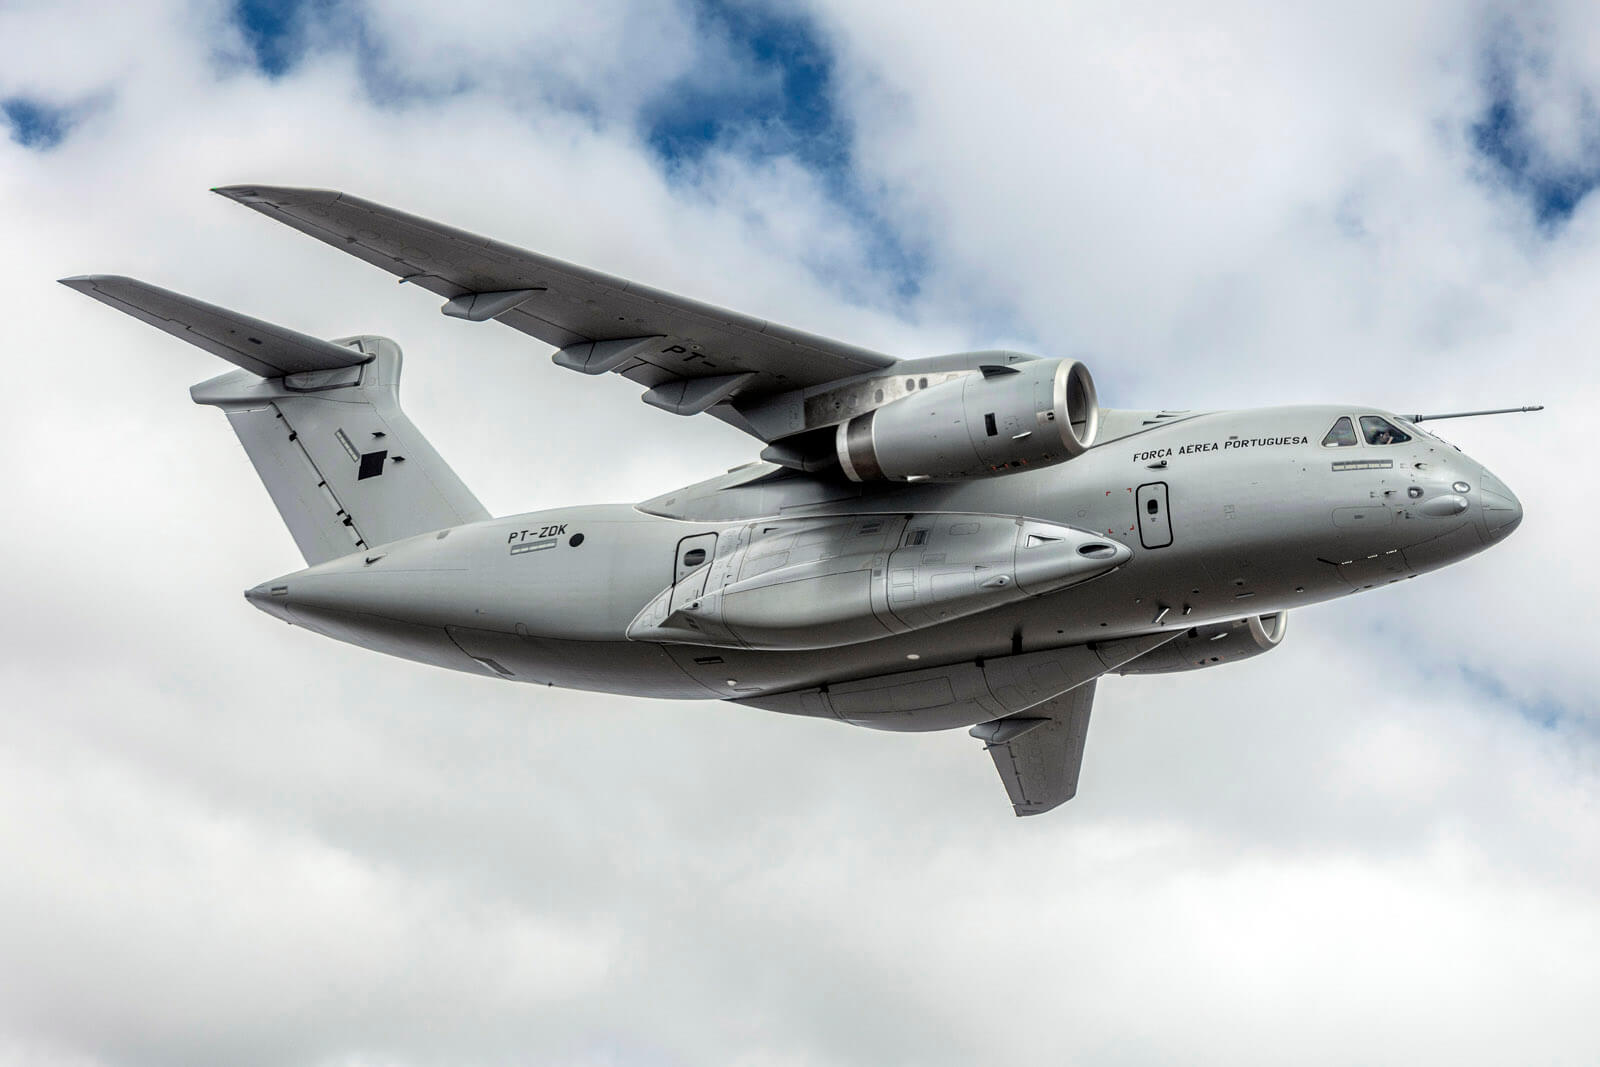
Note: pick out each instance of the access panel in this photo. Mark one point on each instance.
(1155, 520)
(692, 568)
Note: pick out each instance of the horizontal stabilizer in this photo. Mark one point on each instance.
(259, 347)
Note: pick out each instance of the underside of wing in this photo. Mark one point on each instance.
(691, 357)
(1040, 752)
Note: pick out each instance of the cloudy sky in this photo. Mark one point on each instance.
(226, 840)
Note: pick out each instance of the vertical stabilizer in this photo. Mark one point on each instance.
(320, 420)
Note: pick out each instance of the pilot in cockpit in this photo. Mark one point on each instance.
(1380, 431)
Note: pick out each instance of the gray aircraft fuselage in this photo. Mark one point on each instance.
(1215, 517)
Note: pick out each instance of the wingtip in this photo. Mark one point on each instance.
(240, 194)
(90, 281)
(276, 195)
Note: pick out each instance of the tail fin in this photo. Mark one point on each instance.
(320, 420)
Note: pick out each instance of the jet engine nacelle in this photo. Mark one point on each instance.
(1003, 419)
(1212, 646)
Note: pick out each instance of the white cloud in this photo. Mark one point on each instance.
(229, 839)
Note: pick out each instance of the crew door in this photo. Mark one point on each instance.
(1155, 520)
(691, 568)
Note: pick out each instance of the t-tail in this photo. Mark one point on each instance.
(320, 420)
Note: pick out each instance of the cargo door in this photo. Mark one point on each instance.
(691, 568)
(1155, 520)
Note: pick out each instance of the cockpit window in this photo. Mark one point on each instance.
(1342, 434)
(1380, 431)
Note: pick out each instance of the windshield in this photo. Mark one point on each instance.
(1380, 431)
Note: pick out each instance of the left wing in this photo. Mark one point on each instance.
(691, 357)
(1040, 752)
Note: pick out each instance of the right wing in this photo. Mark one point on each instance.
(1039, 752)
(691, 357)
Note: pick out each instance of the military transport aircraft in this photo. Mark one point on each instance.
(964, 540)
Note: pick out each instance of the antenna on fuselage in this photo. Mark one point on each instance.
(1470, 414)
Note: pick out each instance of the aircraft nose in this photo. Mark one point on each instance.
(1501, 509)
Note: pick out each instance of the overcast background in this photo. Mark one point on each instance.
(225, 840)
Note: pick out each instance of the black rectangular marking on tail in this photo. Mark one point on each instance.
(371, 464)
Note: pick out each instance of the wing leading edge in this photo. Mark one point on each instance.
(690, 356)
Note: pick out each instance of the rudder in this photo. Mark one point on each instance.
(344, 465)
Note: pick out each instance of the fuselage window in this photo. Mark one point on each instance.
(1381, 431)
(1342, 434)
(694, 557)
